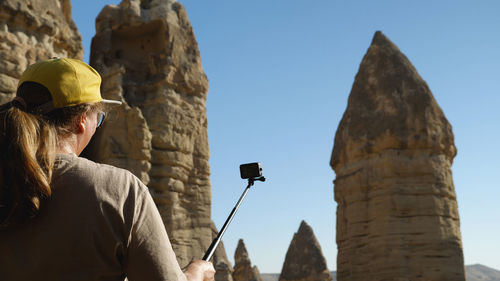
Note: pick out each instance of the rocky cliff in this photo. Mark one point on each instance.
(32, 30)
(304, 259)
(149, 58)
(397, 215)
(243, 270)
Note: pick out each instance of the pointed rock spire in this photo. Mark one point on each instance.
(243, 270)
(397, 214)
(304, 260)
(390, 107)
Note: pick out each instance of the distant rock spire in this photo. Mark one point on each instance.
(243, 270)
(397, 214)
(304, 260)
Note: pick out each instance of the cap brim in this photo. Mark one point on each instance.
(111, 102)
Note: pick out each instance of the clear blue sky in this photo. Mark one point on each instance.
(280, 73)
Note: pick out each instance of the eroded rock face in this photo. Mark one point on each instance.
(304, 259)
(147, 52)
(397, 216)
(243, 270)
(33, 30)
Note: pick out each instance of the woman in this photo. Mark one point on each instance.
(63, 217)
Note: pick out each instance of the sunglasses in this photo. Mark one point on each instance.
(100, 119)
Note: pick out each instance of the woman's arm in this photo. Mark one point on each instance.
(149, 253)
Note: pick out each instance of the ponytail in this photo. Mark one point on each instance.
(27, 149)
(35, 124)
(28, 144)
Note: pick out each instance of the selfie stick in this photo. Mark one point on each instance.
(215, 243)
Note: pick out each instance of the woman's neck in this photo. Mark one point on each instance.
(68, 145)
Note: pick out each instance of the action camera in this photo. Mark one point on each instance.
(250, 170)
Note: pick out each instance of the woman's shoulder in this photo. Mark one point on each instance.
(69, 167)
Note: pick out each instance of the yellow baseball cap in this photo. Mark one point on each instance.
(70, 82)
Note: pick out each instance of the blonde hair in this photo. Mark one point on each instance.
(28, 144)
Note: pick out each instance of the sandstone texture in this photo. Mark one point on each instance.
(33, 30)
(148, 56)
(223, 268)
(397, 215)
(304, 259)
(243, 270)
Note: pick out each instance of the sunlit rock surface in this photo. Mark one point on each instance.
(304, 259)
(149, 58)
(243, 270)
(397, 215)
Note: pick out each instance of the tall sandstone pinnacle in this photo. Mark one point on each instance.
(33, 30)
(304, 259)
(397, 215)
(243, 270)
(148, 56)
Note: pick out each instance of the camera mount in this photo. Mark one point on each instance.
(252, 180)
(216, 241)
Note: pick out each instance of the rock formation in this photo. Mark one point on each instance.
(243, 270)
(149, 58)
(304, 260)
(33, 30)
(397, 216)
(223, 268)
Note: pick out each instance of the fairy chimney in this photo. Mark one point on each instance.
(147, 54)
(243, 270)
(397, 215)
(304, 259)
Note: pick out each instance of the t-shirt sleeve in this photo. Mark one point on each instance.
(150, 255)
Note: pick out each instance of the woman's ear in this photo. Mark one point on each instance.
(81, 123)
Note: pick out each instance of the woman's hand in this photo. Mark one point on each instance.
(200, 270)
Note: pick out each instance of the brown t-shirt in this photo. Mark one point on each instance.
(99, 224)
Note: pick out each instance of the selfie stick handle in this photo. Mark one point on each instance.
(215, 243)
